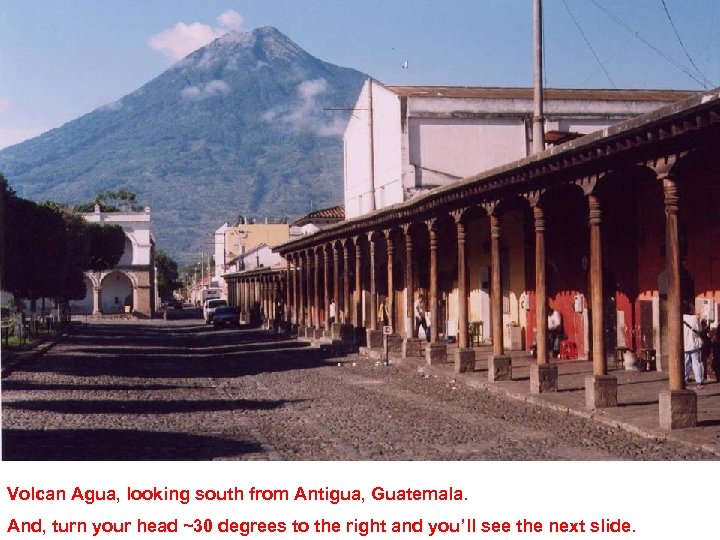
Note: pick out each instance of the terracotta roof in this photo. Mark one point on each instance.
(548, 93)
(334, 212)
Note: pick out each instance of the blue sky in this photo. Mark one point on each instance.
(60, 59)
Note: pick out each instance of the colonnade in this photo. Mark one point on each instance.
(320, 275)
(260, 297)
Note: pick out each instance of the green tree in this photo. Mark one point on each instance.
(167, 274)
(106, 246)
(45, 248)
(113, 201)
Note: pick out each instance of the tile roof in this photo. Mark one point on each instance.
(481, 92)
(333, 212)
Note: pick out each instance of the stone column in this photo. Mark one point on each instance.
(678, 406)
(389, 302)
(96, 300)
(499, 364)
(409, 281)
(543, 375)
(600, 388)
(316, 289)
(465, 357)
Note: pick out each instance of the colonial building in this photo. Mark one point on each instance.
(232, 242)
(405, 140)
(605, 228)
(130, 287)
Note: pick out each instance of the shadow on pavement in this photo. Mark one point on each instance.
(157, 351)
(8, 385)
(113, 445)
(111, 406)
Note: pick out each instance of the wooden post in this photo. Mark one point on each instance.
(301, 320)
(326, 288)
(462, 337)
(316, 289)
(346, 283)
(432, 230)
(336, 282)
(674, 299)
(373, 288)
(357, 295)
(540, 288)
(495, 287)
(409, 279)
(389, 302)
(596, 287)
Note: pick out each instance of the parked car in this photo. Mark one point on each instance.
(209, 308)
(173, 303)
(225, 316)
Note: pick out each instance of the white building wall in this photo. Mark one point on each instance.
(421, 142)
(137, 228)
(460, 148)
(387, 135)
(357, 158)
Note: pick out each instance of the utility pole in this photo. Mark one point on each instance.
(202, 270)
(537, 121)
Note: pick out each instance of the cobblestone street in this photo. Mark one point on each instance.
(177, 390)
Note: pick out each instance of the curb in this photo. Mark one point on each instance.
(592, 416)
(15, 359)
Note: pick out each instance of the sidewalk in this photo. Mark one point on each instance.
(14, 356)
(637, 409)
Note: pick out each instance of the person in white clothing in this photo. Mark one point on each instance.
(692, 343)
(555, 330)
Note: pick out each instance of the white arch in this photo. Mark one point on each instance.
(117, 294)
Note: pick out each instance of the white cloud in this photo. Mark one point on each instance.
(204, 91)
(182, 39)
(231, 20)
(114, 106)
(307, 114)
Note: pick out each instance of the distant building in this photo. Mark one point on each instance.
(419, 138)
(319, 219)
(129, 287)
(232, 242)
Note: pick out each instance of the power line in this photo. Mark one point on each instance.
(682, 45)
(646, 42)
(587, 41)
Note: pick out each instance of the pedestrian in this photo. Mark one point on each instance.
(419, 311)
(714, 360)
(555, 330)
(331, 311)
(692, 344)
(382, 312)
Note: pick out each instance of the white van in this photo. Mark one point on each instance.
(209, 307)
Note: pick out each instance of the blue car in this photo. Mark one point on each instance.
(225, 316)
